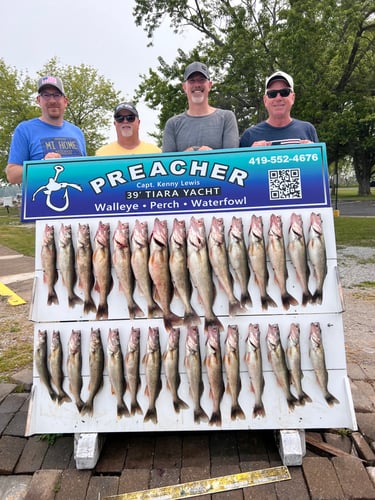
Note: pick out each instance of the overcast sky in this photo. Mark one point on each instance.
(98, 33)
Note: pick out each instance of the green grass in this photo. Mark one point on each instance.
(351, 193)
(355, 231)
(16, 235)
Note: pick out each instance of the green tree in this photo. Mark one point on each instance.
(327, 45)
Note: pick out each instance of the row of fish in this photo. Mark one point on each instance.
(123, 367)
(163, 265)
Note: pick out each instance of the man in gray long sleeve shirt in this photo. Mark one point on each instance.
(201, 127)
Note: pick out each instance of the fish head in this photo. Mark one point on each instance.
(217, 230)
(315, 334)
(153, 338)
(197, 233)
(49, 234)
(102, 234)
(65, 234)
(179, 232)
(95, 337)
(139, 234)
(273, 335)
(294, 333)
(256, 226)
(121, 234)
(253, 336)
(83, 233)
(134, 337)
(55, 342)
(296, 225)
(192, 338)
(113, 343)
(276, 226)
(75, 341)
(42, 336)
(173, 338)
(236, 228)
(160, 232)
(213, 337)
(316, 223)
(232, 337)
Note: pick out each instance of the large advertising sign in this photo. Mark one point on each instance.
(217, 180)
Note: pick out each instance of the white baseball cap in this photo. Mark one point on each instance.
(280, 75)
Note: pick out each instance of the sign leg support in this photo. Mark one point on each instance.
(291, 445)
(87, 448)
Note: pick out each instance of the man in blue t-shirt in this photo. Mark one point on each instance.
(280, 127)
(49, 136)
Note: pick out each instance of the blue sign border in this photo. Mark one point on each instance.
(276, 177)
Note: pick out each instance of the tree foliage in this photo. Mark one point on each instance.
(327, 45)
(91, 101)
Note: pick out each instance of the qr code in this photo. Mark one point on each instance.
(285, 184)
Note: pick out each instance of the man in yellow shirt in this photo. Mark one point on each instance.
(127, 128)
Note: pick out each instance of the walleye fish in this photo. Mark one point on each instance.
(132, 357)
(158, 266)
(238, 259)
(171, 361)
(139, 262)
(41, 363)
(102, 268)
(152, 361)
(115, 365)
(96, 363)
(121, 263)
(298, 255)
(179, 271)
(74, 367)
(276, 357)
(56, 368)
(200, 270)
(276, 253)
(84, 267)
(232, 369)
(258, 260)
(48, 259)
(317, 357)
(214, 372)
(253, 358)
(193, 367)
(293, 357)
(218, 256)
(317, 254)
(67, 263)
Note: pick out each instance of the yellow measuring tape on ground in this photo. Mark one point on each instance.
(209, 486)
(14, 299)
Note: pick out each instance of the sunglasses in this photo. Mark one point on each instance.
(271, 94)
(128, 118)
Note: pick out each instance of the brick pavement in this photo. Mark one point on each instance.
(36, 469)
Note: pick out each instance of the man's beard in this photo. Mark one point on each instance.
(197, 98)
(126, 132)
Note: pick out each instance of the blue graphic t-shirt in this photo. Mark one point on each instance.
(33, 139)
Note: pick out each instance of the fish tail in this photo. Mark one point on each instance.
(154, 311)
(266, 301)
(80, 404)
(235, 307)
(53, 395)
(152, 415)
(122, 410)
(213, 321)
(179, 404)
(331, 400)
(52, 297)
(245, 300)
(102, 312)
(258, 410)
(292, 402)
(236, 412)
(89, 306)
(135, 408)
(317, 298)
(306, 297)
(135, 311)
(199, 415)
(73, 300)
(215, 418)
(191, 318)
(87, 408)
(288, 300)
(172, 320)
(304, 398)
(63, 397)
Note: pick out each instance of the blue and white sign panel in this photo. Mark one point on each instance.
(214, 181)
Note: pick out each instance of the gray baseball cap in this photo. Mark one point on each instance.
(54, 81)
(196, 67)
(126, 106)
